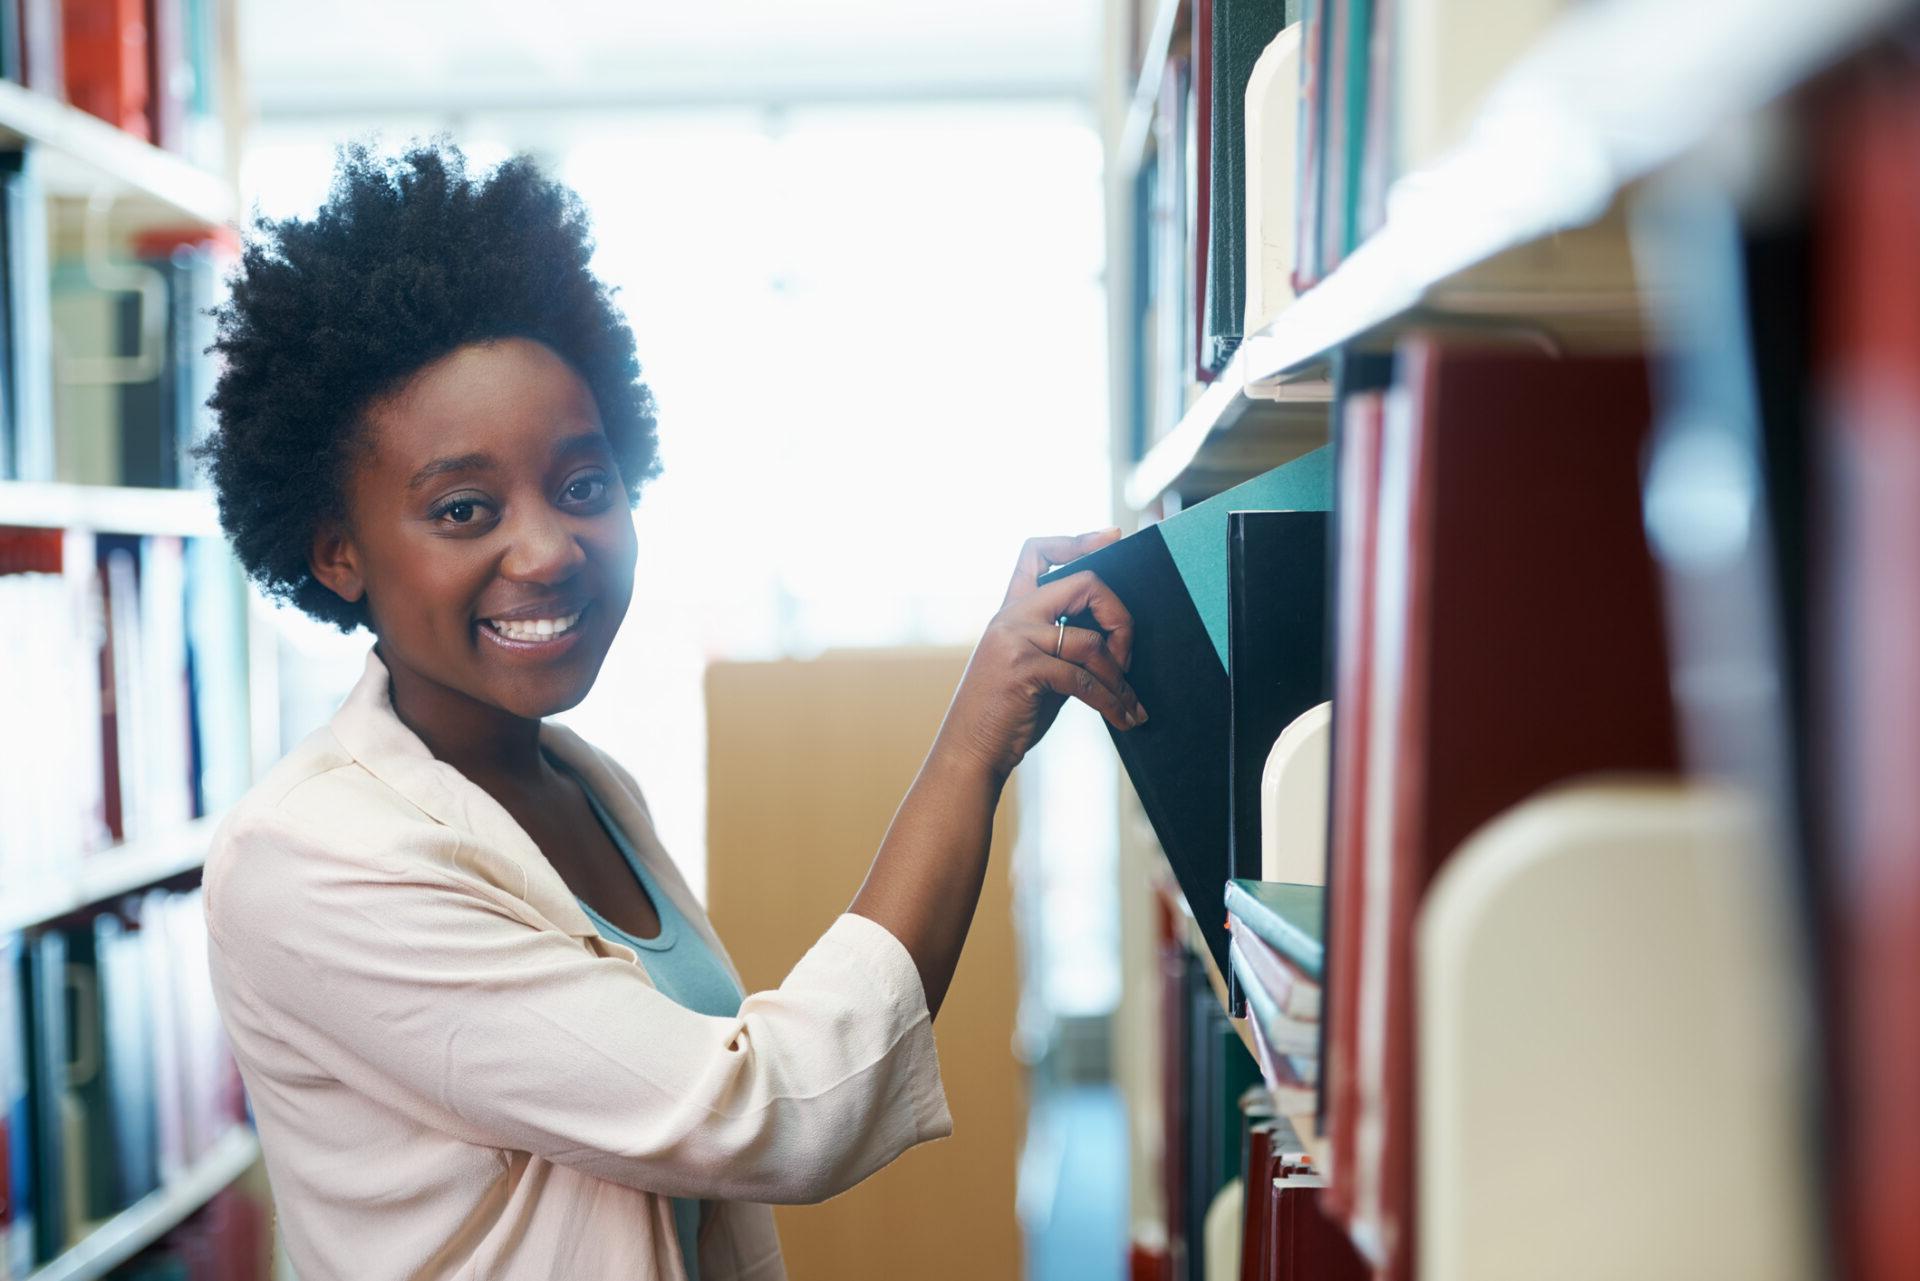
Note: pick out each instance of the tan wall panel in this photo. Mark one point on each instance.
(807, 762)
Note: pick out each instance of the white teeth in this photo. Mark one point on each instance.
(530, 629)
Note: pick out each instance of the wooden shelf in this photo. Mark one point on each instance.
(118, 1239)
(112, 509)
(83, 157)
(109, 873)
(1521, 230)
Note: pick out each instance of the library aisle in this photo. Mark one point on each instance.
(1511, 409)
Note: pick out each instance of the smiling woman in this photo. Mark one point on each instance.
(485, 1027)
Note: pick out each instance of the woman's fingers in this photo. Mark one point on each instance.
(1076, 681)
(1084, 593)
(1038, 555)
(1088, 649)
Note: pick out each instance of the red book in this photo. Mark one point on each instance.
(1358, 494)
(106, 61)
(1518, 643)
(1865, 687)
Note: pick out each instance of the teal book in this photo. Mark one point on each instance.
(1291, 919)
(1173, 579)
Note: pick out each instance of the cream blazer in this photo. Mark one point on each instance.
(454, 1074)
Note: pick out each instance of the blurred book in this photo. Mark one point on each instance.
(1242, 30)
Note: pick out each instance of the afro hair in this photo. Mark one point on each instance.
(409, 259)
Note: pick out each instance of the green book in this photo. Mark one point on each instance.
(1291, 919)
(1173, 579)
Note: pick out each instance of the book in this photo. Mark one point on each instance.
(16, 1115)
(128, 1048)
(1310, 165)
(1295, 994)
(1862, 483)
(1292, 1038)
(1172, 577)
(1362, 419)
(42, 59)
(28, 328)
(1293, 801)
(1290, 919)
(48, 1053)
(1277, 654)
(1242, 30)
(107, 72)
(1518, 641)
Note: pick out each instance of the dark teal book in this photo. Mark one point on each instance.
(1173, 579)
(1242, 30)
(1291, 919)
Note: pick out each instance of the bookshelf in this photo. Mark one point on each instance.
(1491, 232)
(1636, 206)
(147, 1220)
(111, 873)
(150, 672)
(86, 158)
(185, 513)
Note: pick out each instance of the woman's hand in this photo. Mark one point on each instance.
(1015, 685)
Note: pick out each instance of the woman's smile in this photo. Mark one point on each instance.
(543, 636)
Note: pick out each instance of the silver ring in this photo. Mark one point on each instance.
(1060, 637)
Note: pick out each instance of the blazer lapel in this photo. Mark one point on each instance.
(492, 845)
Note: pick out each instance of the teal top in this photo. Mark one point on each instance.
(683, 967)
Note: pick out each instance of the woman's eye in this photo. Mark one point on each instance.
(586, 489)
(461, 511)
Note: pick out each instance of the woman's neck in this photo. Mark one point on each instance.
(492, 747)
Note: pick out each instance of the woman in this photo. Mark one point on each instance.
(485, 1028)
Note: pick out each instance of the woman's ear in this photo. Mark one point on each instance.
(335, 561)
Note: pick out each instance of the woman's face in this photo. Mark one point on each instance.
(489, 530)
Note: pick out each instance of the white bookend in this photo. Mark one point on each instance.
(1293, 801)
(1612, 1046)
(1273, 137)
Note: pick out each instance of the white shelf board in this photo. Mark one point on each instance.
(116, 509)
(106, 874)
(1612, 93)
(1132, 148)
(1234, 434)
(118, 1239)
(83, 156)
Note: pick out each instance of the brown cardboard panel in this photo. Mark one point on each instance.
(807, 762)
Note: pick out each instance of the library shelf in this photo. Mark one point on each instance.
(109, 873)
(82, 156)
(115, 509)
(118, 1239)
(1521, 229)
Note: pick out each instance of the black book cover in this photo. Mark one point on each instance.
(1172, 577)
(1277, 658)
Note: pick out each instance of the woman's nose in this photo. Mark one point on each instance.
(542, 549)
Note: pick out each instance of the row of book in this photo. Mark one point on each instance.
(152, 68)
(1280, 128)
(115, 1076)
(126, 661)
